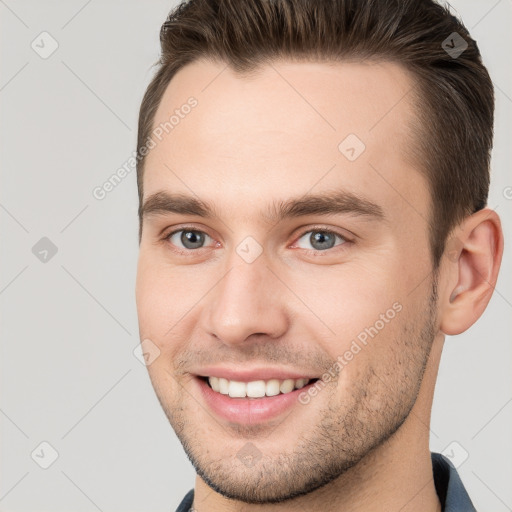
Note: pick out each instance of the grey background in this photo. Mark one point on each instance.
(69, 326)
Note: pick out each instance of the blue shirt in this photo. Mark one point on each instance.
(449, 488)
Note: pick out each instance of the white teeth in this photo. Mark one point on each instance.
(214, 383)
(287, 386)
(256, 388)
(272, 387)
(237, 389)
(299, 383)
(223, 386)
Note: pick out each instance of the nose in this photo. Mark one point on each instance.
(248, 300)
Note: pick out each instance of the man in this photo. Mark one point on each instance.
(313, 180)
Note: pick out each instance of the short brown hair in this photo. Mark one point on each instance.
(455, 96)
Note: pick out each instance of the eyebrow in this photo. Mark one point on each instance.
(327, 203)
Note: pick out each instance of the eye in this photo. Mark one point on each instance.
(188, 238)
(320, 239)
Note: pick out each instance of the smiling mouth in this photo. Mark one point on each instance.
(255, 389)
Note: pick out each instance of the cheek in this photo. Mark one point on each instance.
(168, 302)
(347, 301)
(156, 295)
(368, 342)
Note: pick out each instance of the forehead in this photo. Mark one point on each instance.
(285, 129)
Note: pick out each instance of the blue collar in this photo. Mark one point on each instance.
(449, 487)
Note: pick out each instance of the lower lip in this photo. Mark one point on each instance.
(249, 411)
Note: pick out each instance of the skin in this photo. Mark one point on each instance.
(363, 442)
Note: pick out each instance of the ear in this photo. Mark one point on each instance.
(473, 260)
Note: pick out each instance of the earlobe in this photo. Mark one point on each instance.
(474, 267)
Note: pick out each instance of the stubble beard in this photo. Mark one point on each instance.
(348, 429)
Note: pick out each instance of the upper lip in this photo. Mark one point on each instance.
(249, 375)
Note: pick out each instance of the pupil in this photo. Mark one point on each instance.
(192, 239)
(322, 240)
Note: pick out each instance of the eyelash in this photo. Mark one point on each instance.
(316, 252)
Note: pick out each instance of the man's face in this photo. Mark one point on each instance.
(246, 289)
